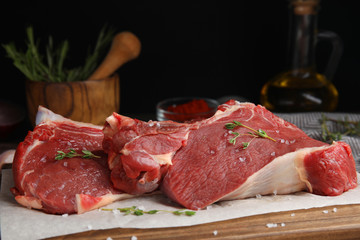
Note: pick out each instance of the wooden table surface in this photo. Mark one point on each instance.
(334, 222)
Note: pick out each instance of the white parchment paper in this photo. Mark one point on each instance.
(18, 222)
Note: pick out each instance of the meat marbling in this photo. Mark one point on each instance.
(196, 165)
(70, 185)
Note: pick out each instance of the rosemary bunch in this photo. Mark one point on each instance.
(49, 67)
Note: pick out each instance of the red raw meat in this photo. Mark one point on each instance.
(70, 185)
(196, 165)
(209, 168)
(330, 171)
(140, 152)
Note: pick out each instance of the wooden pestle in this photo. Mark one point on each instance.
(124, 48)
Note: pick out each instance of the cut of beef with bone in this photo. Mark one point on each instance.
(196, 164)
(70, 185)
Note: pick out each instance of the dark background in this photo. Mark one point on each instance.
(189, 48)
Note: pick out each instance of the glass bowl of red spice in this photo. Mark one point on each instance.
(186, 109)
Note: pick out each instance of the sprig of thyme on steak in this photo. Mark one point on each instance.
(72, 153)
(255, 133)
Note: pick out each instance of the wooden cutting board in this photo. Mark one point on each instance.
(335, 222)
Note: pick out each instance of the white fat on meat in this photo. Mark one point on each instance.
(285, 174)
(103, 201)
(46, 115)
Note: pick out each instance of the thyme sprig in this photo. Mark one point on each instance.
(134, 210)
(350, 128)
(72, 153)
(255, 133)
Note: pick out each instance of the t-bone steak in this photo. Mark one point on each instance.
(70, 185)
(197, 164)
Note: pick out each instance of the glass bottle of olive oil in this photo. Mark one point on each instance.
(302, 88)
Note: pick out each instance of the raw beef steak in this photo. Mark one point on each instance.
(197, 164)
(221, 164)
(140, 152)
(70, 185)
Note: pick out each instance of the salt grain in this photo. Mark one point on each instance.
(109, 238)
(292, 215)
(275, 192)
(215, 232)
(65, 215)
(258, 196)
(242, 159)
(271, 225)
(273, 154)
(325, 211)
(115, 211)
(282, 224)
(334, 209)
(89, 227)
(133, 238)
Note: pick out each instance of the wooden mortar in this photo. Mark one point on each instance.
(92, 100)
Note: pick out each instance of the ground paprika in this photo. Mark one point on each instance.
(193, 110)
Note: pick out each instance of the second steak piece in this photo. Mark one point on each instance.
(139, 153)
(218, 163)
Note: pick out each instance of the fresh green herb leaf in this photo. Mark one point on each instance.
(190, 213)
(60, 155)
(139, 212)
(72, 153)
(262, 133)
(233, 140)
(184, 212)
(350, 128)
(177, 213)
(230, 126)
(245, 145)
(254, 133)
(238, 124)
(152, 211)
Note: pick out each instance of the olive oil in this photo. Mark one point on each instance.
(301, 88)
(289, 93)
